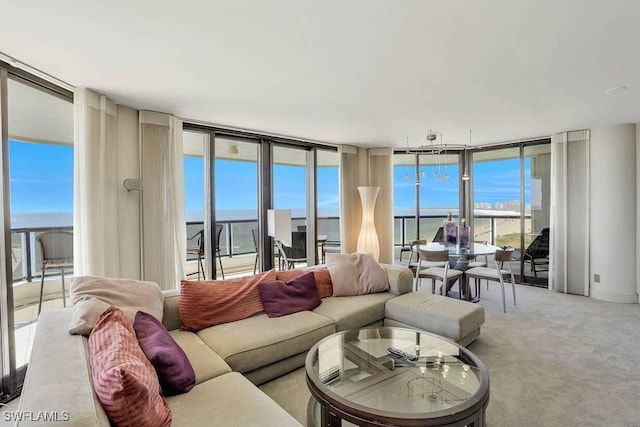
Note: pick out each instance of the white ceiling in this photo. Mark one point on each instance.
(367, 72)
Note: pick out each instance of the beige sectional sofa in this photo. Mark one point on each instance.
(230, 359)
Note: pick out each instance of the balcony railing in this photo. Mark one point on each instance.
(236, 238)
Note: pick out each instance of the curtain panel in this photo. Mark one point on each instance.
(569, 242)
(350, 207)
(163, 221)
(95, 210)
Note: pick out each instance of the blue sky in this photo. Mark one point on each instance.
(42, 181)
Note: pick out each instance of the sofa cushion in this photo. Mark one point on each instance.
(355, 311)
(322, 275)
(171, 364)
(356, 274)
(208, 303)
(298, 294)
(445, 316)
(228, 400)
(90, 296)
(206, 363)
(123, 378)
(258, 341)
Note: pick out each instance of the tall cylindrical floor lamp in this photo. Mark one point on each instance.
(368, 238)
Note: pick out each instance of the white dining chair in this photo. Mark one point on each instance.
(436, 273)
(502, 259)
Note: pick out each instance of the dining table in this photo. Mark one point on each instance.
(459, 259)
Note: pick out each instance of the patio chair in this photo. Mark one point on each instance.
(297, 252)
(198, 251)
(439, 237)
(537, 253)
(57, 254)
(256, 243)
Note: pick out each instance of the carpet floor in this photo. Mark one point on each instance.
(553, 360)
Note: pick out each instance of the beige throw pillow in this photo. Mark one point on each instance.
(356, 274)
(91, 296)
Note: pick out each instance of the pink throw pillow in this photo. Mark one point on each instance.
(208, 303)
(124, 380)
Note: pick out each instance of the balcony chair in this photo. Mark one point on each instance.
(256, 242)
(219, 228)
(496, 274)
(57, 254)
(198, 251)
(439, 237)
(297, 252)
(537, 253)
(436, 273)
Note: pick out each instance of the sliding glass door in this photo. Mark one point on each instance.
(233, 178)
(426, 188)
(511, 193)
(37, 170)
(236, 230)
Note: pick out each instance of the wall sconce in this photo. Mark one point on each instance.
(132, 184)
(368, 238)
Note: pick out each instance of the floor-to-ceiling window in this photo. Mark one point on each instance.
(426, 185)
(236, 202)
(290, 191)
(194, 146)
(248, 175)
(328, 201)
(511, 191)
(38, 164)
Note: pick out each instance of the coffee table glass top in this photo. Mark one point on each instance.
(356, 367)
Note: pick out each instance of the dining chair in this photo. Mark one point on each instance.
(502, 258)
(424, 264)
(57, 254)
(475, 262)
(436, 273)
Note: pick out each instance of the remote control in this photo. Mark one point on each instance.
(402, 354)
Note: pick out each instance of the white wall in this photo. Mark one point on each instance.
(613, 213)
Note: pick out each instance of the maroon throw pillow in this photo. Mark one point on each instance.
(174, 370)
(298, 294)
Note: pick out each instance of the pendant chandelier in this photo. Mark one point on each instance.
(438, 151)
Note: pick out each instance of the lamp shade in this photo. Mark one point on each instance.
(368, 238)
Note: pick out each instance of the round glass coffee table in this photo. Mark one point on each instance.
(354, 378)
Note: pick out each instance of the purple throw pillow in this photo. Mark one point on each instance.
(172, 366)
(298, 294)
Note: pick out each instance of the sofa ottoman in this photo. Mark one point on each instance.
(449, 317)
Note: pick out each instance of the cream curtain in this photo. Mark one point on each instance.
(569, 242)
(350, 207)
(163, 223)
(95, 210)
